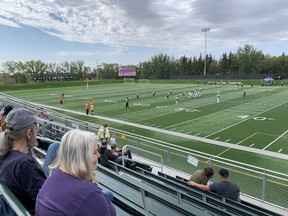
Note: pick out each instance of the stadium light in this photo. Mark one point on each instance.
(205, 31)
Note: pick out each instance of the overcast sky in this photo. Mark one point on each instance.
(133, 31)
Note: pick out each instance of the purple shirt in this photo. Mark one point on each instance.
(64, 194)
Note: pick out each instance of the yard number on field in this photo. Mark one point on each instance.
(257, 118)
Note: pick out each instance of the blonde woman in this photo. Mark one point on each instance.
(70, 189)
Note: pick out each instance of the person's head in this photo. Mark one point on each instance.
(208, 172)
(105, 125)
(4, 113)
(113, 147)
(6, 110)
(77, 154)
(104, 143)
(21, 131)
(224, 174)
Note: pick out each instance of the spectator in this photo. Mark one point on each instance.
(103, 133)
(110, 156)
(202, 176)
(4, 113)
(223, 188)
(119, 152)
(42, 113)
(113, 139)
(72, 180)
(19, 170)
(50, 157)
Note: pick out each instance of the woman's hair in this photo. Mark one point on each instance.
(208, 172)
(6, 144)
(76, 154)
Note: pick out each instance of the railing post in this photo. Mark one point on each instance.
(168, 156)
(43, 128)
(138, 145)
(264, 186)
(211, 162)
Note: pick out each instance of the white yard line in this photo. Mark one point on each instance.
(246, 119)
(275, 140)
(247, 138)
(210, 114)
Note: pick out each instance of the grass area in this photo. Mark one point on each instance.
(258, 121)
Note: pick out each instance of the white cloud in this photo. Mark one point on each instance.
(165, 24)
(8, 23)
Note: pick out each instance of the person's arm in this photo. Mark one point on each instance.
(31, 177)
(200, 186)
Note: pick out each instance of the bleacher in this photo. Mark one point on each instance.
(140, 191)
(8, 201)
(178, 191)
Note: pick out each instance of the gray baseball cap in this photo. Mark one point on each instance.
(19, 118)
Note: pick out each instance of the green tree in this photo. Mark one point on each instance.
(224, 66)
(183, 66)
(161, 66)
(249, 59)
(108, 71)
(35, 68)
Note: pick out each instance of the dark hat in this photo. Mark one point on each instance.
(104, 141)
(6, 110)
(19, 118)
(113, 146)
(224, 172)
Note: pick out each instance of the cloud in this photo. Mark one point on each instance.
(8, 23)
(165, 24)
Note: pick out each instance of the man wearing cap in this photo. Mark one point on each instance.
(223, 188)
(19, 170)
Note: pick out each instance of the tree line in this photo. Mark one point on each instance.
(247, 60)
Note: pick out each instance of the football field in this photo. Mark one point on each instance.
(258, 121)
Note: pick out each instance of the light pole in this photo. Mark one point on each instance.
(205, 30)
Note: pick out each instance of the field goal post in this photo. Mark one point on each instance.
(128, 80)
(143, 81)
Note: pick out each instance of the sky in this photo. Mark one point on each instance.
(133, 31)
